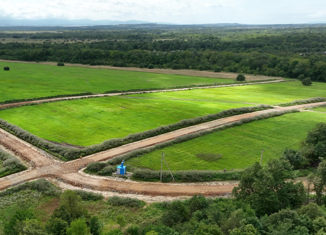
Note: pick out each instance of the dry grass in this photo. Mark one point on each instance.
(193, 73)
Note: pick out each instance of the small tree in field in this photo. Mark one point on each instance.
(306, 82)
(241, 78)
(6, 68)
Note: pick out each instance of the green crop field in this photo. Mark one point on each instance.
(38, 80)
(261, 94)
(90, 121)
(239, 146)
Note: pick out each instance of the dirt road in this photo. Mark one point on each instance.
(3, 106)
(43, 166)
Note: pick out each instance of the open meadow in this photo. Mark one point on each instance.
(271, 94)
(91, 121)
(25, 81)
(237, 147)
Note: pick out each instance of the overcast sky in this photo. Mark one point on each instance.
(171, 11)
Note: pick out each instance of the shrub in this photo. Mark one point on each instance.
(60, 64)
(217, 69)
(150, 66)
(89, 196)
(6, 68)
(125, 201)
(106, 171)
(241, 78)
(40, 185)
(306, 81)
(306, 101)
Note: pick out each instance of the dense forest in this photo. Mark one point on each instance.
(293, 52)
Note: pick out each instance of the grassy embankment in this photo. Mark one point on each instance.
(239, 146)
(25, 81)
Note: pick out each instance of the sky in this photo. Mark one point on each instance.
(171, 11)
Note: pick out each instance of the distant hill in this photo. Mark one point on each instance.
(64, 22)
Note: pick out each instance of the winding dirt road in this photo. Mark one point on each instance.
(44, 166)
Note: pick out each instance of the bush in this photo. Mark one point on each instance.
(125, 201)
(60, 64)
(6, 68)
(151, 66)
(40, 185)
(106, 171)
(306, 101)
(89, 196)
(241, 78)
(10, 164)
(217, 69)
(306, 82)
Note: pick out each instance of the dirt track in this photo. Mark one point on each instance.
(43, 166)
(3, 106)
(185, 72)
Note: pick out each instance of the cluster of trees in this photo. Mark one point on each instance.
(285, 53)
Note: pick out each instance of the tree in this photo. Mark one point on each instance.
(72, 203)
(78, 227)
(6, 68)
(95, 226)
(217, 69)
(306, 81)
(268, 189)
(133, 230)
(241, 78)
(14, 224)
(150, 66)
(56, 226)
(32, 227)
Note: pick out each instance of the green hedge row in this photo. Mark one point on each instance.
(191, 86)
(306, 101)
(125, 201)
(70, 153)
(9, 164)
(186, 176)
(40, 185)
(45, 97)
(97, 167)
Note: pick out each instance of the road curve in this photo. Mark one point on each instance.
(43, 166)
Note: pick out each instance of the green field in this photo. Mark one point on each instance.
(90, 121)
(261, 94)
(320, 109)
(240, 146)
(37, 80)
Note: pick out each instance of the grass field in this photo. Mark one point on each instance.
(239, 146)
(91, 121)
(261, 94)
(38, 80)
(320, 109)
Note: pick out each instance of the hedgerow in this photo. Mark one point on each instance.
(44, 97)
(194, 86)
(305, 101)
(9, 164)
(125, 201)
(89, 196)
(40, 185)
(69, 153)
(148, 175)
